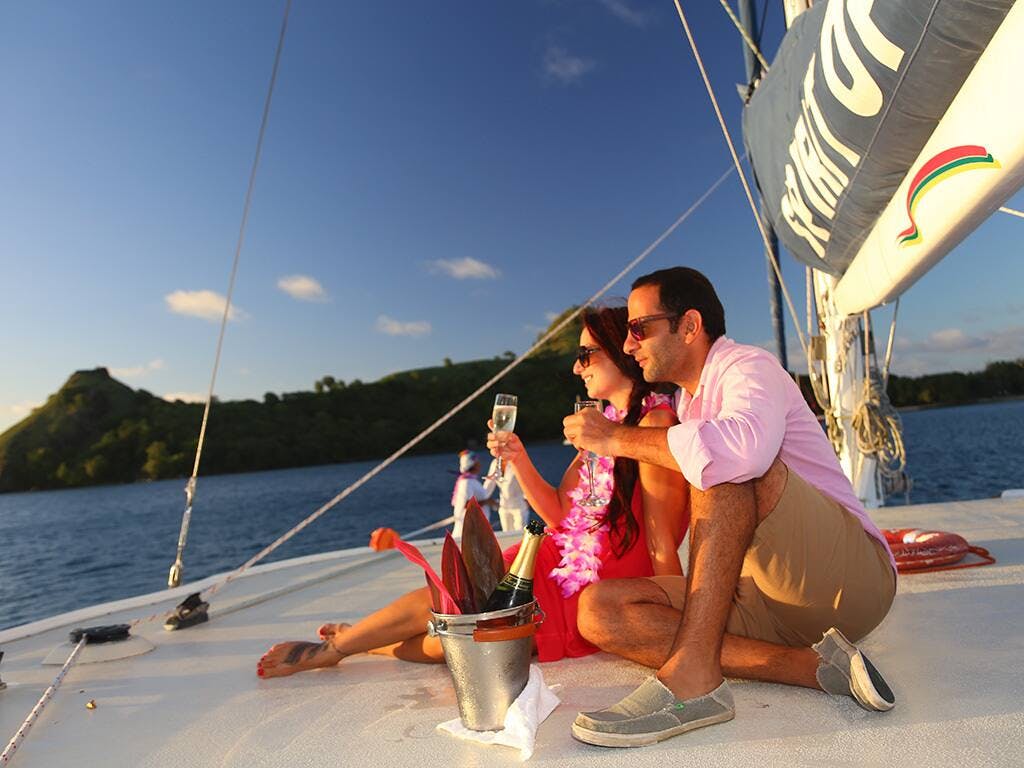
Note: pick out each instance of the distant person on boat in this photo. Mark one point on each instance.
(512, 506)
(785, 564)
(469, 486)
(637, 533)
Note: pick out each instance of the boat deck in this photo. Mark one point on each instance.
(952, 649)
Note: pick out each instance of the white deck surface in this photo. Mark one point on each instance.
(952, 649)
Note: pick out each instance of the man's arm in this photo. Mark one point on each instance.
(589, 430)
(742, 440)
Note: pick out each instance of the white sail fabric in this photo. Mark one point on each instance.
(972, 163)
(855, 92)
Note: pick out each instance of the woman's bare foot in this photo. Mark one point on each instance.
(327, 631)
(288, 658)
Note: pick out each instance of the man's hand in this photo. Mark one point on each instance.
(589, 430)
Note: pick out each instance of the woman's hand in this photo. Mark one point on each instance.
(504, 445)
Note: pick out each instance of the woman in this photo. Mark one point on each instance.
(637, 534)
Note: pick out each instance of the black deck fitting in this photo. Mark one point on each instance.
(191, 611)
(109, 633)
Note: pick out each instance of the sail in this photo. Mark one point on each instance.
(856, 90)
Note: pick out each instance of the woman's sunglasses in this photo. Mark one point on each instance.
(583, 355)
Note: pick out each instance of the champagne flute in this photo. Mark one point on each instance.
(504, 418)
(593, 500)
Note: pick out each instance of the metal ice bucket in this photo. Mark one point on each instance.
(488, 655)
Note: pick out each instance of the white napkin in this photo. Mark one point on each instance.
(529, 710)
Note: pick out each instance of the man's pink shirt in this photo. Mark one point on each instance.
(746, 411)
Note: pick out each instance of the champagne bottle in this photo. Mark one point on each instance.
(516, 588)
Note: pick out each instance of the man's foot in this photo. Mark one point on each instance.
(845, 671)
(288, 658)
(327, 631)
(652, 713)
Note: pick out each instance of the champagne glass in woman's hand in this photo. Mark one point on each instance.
(504, 418)
(593, 500)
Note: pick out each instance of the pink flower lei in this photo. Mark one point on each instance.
(582, 536)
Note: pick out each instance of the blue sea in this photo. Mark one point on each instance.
(61, 550)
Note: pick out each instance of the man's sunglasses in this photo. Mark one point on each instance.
(637, 327)
(583, 355)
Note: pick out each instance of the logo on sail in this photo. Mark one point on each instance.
(945, 164)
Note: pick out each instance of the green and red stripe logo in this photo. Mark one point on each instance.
(945, 164)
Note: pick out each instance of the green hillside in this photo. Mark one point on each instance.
(97, 430)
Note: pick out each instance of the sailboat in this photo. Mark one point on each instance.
(953, 641)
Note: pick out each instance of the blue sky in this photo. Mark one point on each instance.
(437, 180)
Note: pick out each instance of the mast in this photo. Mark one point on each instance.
(749, 20)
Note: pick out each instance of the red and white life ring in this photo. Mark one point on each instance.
(919, 550)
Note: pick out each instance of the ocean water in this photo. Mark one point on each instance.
(61, 550)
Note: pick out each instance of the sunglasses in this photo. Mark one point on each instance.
(637, 327)
(583, 355)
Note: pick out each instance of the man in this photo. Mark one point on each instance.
(784, 561)
(511, 501)
(468, 486)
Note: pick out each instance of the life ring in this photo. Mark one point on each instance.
(916, 550)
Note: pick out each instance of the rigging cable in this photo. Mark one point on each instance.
(743, 179)
(230, 576)
(473, 395)
(1012, 212)
(746, 38)
(174, 576)
(19, 736)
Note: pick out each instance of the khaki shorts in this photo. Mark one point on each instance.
(810, 566)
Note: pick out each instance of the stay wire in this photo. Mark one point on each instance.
(471, 397)
(191, 485)
(26, 726)
(746, 37)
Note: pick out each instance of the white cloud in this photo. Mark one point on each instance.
(135, 371)
(464, 269)
(392, 327)
(302, 288)
(623, 11)
(946, 340)
(23, 409)
(207, 305)
(560, 65)
(951, 349)
(186, 397)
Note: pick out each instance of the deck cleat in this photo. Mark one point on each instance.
(191, 611)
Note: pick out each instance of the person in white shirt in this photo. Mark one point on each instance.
(468, 486)
(512, 507)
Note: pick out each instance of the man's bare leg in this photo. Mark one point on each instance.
(392, 625)
(633, 618)
(723, 519)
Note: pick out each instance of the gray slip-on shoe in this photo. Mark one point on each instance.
(651, 714)
(845, 671)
